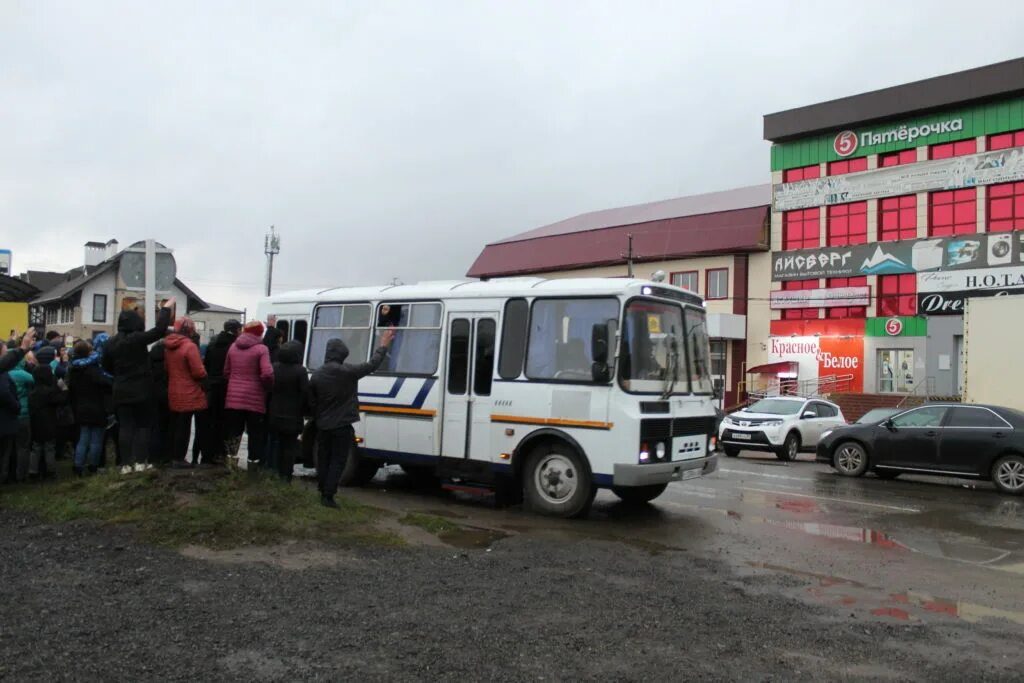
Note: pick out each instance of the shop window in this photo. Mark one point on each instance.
(1005, 207)
(1005, 140)
(848, 166)
(953, 212)
(836, 312)
(907, 156)
(897, 218)
(949, 150)
(799, 313)
(801, 229)
(718, 283)
(895, 371)
(897, 295)
(792, 175)
(687, 280)
(847, 224)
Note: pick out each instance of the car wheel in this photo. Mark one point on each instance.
(1008, 474)
(790, 447)
(557, 482)
(731, 451)
(638, 495)
(850, 459)
(887, 474)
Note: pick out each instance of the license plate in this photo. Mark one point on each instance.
(690, 474)
(741, 437)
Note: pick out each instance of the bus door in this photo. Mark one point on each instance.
(467, 397)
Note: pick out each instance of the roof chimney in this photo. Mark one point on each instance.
(111, 248)
(95, 253)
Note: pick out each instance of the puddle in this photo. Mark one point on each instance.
(471, 538)
(845, 533)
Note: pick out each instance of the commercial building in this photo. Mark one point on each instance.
(713, 244)
(889, 209)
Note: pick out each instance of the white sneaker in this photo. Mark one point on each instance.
(125, 469)
(147, 466)
(139, 467)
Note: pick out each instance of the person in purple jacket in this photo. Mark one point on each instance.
(250, 376)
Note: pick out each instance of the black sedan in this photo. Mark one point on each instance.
(974, 441)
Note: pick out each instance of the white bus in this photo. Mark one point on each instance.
(548, 388)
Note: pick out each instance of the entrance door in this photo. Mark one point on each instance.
(467, 398)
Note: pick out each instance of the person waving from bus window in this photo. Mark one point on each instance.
(334, 402)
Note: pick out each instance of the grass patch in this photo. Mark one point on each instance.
(214, 508)
(433, 524)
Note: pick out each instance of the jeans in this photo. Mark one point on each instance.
(217, 427)
(256, 425)
(135, 422)
(22, 449)
(43, 458)
(335, 446)
(90, 443)
(180, 427)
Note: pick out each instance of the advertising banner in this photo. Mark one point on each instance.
(820, 298)
(1003, 166)
(820, 355)
(971, 280)
(954, 303)
(991, 250)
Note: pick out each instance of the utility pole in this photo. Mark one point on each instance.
(271, 247)
(629, 257)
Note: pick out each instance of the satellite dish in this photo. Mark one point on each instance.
(658, 276)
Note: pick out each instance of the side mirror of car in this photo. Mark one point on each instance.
(808, 415)
(890, 425)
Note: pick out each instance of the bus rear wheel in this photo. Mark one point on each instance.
(358, 470)
(557, 481)
(638, 495)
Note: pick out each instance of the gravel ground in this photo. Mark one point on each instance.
(83, 602)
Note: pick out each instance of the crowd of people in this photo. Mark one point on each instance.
(138, 394)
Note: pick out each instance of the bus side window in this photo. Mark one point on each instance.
(513, 339)
(282, 327)
(458, 357)
(299, 331)
(483, 360)
(417, 342)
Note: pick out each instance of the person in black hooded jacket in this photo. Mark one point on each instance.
(43, 402)
(288, 402)
(214, 449)
(126, 357)
(334, 402)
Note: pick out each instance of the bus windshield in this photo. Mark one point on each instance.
(664, 351)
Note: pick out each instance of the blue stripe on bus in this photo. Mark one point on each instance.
(395, 388)
(421, 397)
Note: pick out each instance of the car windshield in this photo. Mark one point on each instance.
(653, 356)
(877, 415)
(776, 406)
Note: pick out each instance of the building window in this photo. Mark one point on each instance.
(799, 313)
(1005, 140)
(801, 229)
(687, 280)
(51, 315)
(793, 175)
(848, 166)
(897, 218)
(907, 156)
(953, 212)
(719, 352)
(718, 283)
(837, 312)
(99, 308)
(895, 371)
(65, 315)
(949, 150)
(1005, 207)
(847, 224)
(897, 295)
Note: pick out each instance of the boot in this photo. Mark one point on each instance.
(328, 502)
(78, 471)
(92, 469)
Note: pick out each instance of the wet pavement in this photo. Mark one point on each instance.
(915, 549)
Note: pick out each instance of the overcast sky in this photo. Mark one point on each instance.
(395, 139)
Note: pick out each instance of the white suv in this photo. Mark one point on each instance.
(784, 425)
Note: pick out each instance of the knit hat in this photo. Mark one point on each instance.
(46, 355)
(254, 327)
(232, 326)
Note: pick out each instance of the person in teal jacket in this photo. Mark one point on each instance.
(23, 385)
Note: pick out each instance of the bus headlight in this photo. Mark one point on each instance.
(660, 451)
(645, 453)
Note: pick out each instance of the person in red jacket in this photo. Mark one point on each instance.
(250, 376)
(185, 394)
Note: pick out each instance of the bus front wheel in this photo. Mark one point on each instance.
(557, 481)
(638, 495)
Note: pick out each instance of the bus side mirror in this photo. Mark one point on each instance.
(602, 340)
(599, 343)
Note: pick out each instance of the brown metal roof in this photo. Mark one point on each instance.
(720, 222)
(974, 85)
